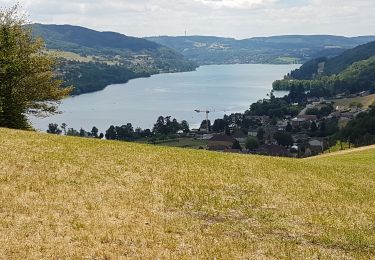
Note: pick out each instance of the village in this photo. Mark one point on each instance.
(307, 134)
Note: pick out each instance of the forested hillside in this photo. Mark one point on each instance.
(352, 71)
(276, 49)
(91, 60)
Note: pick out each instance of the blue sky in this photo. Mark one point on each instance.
(231, 18)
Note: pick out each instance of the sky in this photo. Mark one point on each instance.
(230, 18)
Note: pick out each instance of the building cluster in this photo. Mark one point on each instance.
(306, 140)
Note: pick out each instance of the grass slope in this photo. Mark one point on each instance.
(67, 197)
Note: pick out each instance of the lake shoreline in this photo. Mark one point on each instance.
(223, 89)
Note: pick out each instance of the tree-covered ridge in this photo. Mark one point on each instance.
(275, 49)
(335, 65)
(71, 38)
(360, 76)
(106, 58)
(94, 76)
(351, 72)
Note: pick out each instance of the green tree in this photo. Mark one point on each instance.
(111, 133)
(63, 127)
(185, 126)
(289, 127)
(28, 84)
(94, 132)
(260, 134)
(72, 132)
(236, 145)
(284, 138)
(54, 129)
(313, 127)
(252, 143)
(219, 125)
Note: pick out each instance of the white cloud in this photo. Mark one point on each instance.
(233, 18)
(238, 4)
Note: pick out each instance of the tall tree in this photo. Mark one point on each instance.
(27, 82)
(185, 126)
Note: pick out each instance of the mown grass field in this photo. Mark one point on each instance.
(63, 197)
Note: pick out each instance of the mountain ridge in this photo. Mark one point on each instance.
(91, 60)
(274, 49)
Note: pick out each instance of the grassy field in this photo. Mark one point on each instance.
(76, 57)
(64, 197)
(181, 143)
(365, 101)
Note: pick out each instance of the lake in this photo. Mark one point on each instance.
(223, 89)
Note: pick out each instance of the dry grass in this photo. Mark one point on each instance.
(365, 101)
(64, 197)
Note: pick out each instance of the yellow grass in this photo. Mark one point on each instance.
(63, 197)
(365, 101)
(76, 57)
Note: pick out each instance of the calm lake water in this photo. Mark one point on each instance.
(220, 88)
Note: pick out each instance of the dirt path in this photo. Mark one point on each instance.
(364, 148)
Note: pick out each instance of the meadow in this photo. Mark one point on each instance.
(65, 197)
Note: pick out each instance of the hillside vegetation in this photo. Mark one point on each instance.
(67, 197)
(335, 65)
(351, 72)
(283, 49)
(84, 52)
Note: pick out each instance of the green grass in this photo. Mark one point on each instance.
(64, 197)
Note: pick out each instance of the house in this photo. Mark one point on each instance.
(220, 142)
(253, 132)
(308, 117)
(364, 93)
(315, 146)
(272, 150)
(300, 138)
(281, 125)
(341, 108)
(240, 136)
(302, 119)
(349, 115)
(269, 132)
(261, 119)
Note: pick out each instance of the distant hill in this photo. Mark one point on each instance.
(329, 66)
(71, 38)
(275, 49)
(84, 52)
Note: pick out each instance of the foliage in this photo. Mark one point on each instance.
(185, 126)
(360, 131)
(252, 143)
(236, 145)
(320, 112)
(94, 76)
(54, 129)
(284, 138)
(28, 84)
(166, 126)
(275, 50)
(219, 125)
(274, 107)
(352, 72)
(116, 58)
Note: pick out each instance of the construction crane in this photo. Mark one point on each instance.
(207, 113)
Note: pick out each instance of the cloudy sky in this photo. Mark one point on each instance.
(232, 18)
